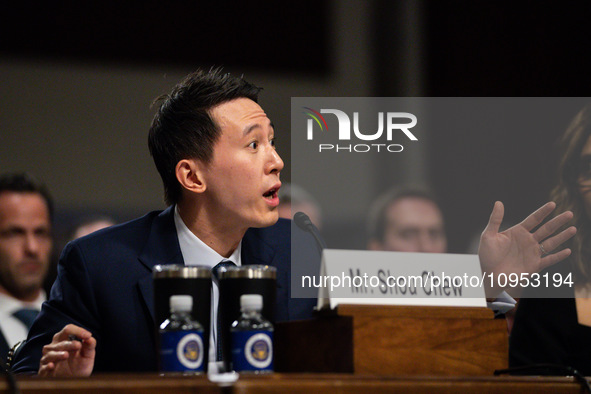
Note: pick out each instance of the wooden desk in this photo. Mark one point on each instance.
(426, 340)
(394, 340)
(294, 383)
(342, 383)
(149, 383)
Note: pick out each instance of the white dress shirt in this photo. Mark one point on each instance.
(12, 328)
(502, 304)
(196, 252)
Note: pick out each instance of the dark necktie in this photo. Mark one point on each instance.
(220, 267)
(26, 315)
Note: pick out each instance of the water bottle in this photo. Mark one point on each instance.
(252, 338)
(181, 339)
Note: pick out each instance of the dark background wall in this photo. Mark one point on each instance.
(487, 49)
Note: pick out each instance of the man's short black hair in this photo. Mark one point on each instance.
(26, 183)
(183, 127)
(377, 219)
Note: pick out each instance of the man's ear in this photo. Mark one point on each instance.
(189, 173)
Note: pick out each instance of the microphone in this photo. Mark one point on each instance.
(303, 221)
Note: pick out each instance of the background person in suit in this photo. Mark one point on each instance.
(25, 249)
(294, 199)
(409, 219)
(406, 219)
(89, 224)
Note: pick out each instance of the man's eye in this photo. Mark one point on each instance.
(253, 145)
(436, 234)
(272, 142)
(43, 233)
(11, 233)
(407, 234)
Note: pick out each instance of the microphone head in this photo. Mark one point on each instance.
(302, 220)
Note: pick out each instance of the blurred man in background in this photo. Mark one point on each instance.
(294, 198)
(25, 250)
(409, 220)
(89, 224)
(406, 220)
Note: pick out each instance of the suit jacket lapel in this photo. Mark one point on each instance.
(254, 251)
(162, 247)
(3, 346)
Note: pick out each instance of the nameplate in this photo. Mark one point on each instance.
(364, 277)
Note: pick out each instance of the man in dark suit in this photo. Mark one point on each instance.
(213, 146)
(26, 209)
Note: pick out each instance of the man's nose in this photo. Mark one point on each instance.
(31, 244)
(275, 164)
(426, 244)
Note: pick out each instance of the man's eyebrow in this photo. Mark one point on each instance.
(249, 128)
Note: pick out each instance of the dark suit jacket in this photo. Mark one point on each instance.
(104, 284)
(3, 347)
(546, 329)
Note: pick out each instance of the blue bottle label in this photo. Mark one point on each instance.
(252, 351)
(181, 351)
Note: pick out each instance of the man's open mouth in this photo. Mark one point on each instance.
(271, 193)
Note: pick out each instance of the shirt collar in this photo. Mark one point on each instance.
(9, 305)
(195, 251)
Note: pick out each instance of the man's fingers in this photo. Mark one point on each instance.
(71, 330)
(554, 258)
(552, 226)
(46, 369)
(54, 357)
(71, 344)
(552, 243)
(88, 347)
(64, 346)
(496, 218)
(530, 222)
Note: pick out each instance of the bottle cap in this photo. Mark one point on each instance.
(181, 303)
(251, 301)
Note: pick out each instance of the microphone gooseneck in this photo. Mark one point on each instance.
(303, 221)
